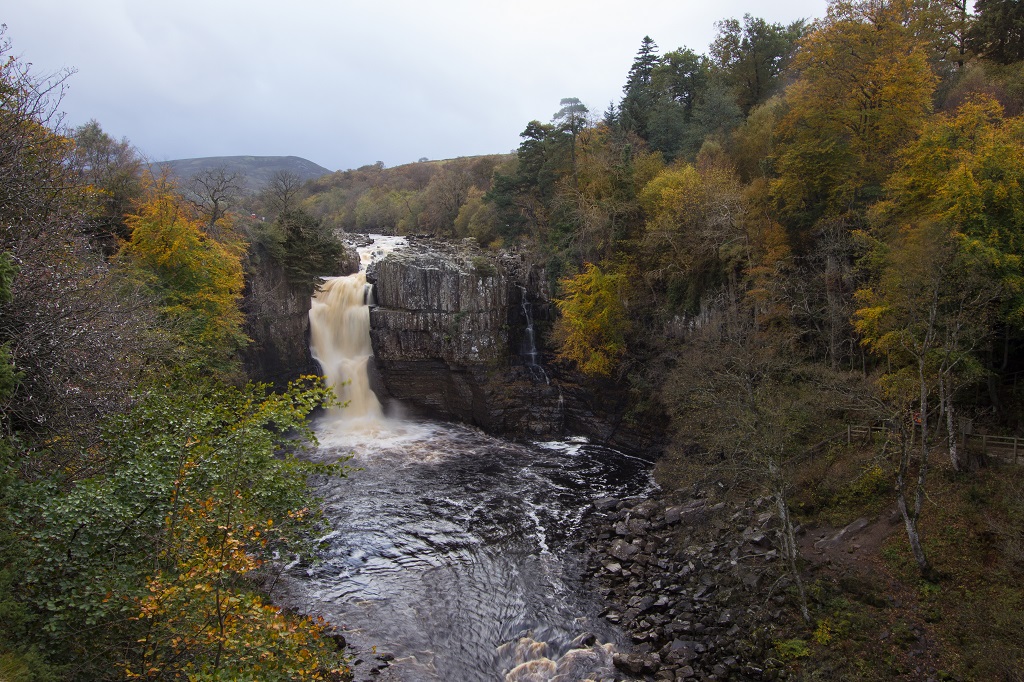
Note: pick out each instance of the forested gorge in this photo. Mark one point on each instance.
(807, 227)
(812, 227)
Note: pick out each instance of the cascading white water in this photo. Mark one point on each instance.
(529, 352)
(339, 327)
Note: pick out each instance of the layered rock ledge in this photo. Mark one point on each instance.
(441, 324)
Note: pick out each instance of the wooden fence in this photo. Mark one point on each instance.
(1007, 448)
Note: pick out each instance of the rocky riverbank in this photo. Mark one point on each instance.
(699, 587)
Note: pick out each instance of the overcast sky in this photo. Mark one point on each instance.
(345, 83)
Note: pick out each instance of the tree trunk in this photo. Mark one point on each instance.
(911, 517)
(910, 522)
(836, 318)
(946, 397)
(788, 536)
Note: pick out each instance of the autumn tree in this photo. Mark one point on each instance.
(864, 88)
(693, 238)
(947, 257)
(131, 488)
(443, 197)
(35, 178)
(752, 145)
(386, 211)
(200, 621)
(112, 169)
(197, 496)
(966, 171)
(212, 192)
(478, 219)
(197, 279)
(963, 173)
(946, 26)
(601, 218)
(753, 56)
(593, 324)
(78, 338)
(926, 314)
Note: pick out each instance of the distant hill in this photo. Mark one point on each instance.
(256, 171)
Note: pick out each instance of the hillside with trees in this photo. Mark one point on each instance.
(810, 228)
(805, 233)
(440, 198)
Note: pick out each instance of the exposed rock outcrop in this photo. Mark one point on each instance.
(440, 330)
(699, 587)
(434, 301)
(277, 321)
(457, 333)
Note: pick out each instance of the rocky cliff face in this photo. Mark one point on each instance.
(449, 333)
(439, 302)
(277, 321)
(440, 334)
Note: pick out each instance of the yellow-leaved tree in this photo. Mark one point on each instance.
(864, 88)
(197, 279)
(946, 261)
(594, 323)
(693, 236)
(202, 622)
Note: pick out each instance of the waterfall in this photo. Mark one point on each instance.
(529, 352)
(339, 326)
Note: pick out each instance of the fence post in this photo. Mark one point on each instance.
(1015, 450)
(849, 434)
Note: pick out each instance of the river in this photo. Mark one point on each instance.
(459, 553)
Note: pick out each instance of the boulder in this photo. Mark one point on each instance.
(622, 550)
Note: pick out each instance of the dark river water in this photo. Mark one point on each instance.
(462, 554)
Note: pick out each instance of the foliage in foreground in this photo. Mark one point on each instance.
(149, 568)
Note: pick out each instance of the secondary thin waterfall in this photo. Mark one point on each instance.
(529, 352)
